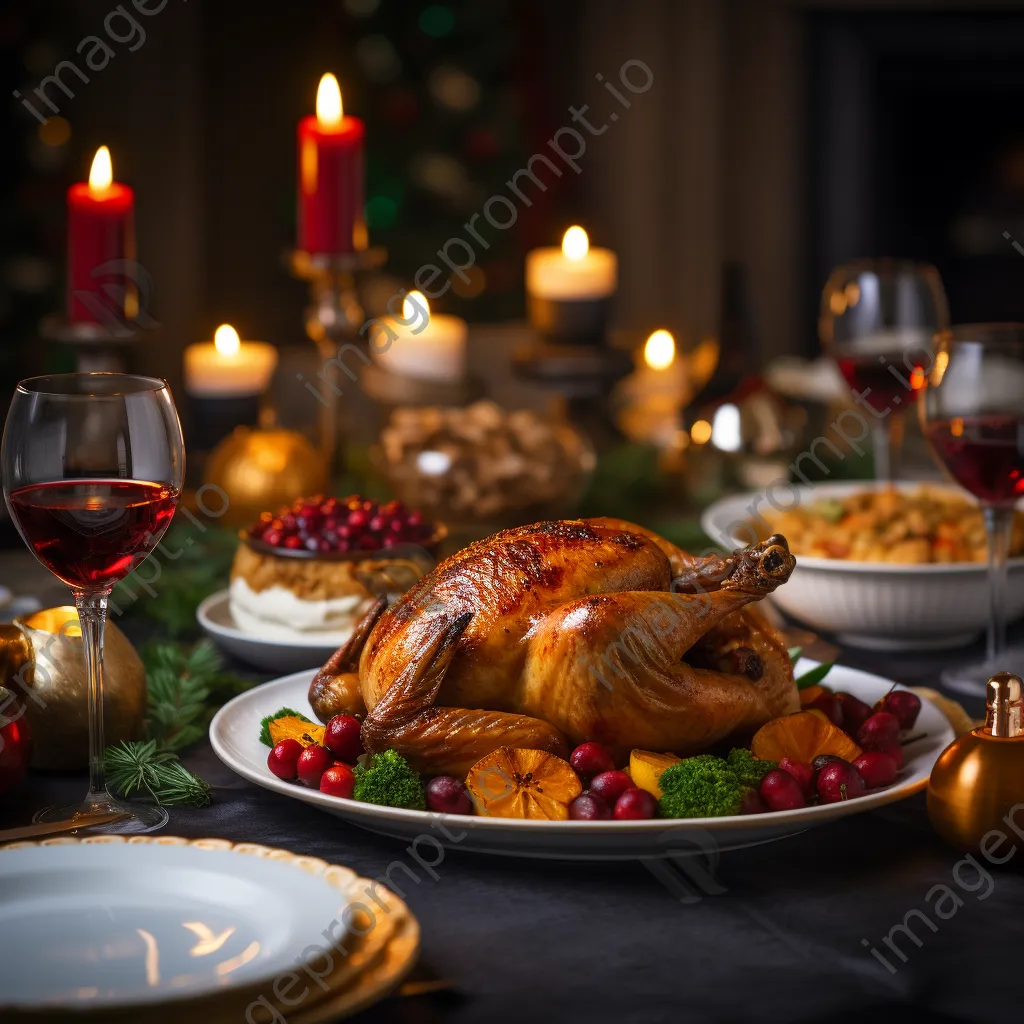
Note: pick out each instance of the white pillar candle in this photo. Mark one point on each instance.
(573, 272)
(228, 367)
(427, 346)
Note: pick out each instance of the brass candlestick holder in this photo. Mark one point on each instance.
(333, 320)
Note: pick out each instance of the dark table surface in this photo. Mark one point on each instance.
(783, 933)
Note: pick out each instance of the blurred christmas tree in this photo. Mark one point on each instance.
(455, 100)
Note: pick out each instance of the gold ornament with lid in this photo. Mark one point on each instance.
(979, 777)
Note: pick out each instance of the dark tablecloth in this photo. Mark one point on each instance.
(780, 935)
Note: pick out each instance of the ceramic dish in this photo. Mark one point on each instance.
(103, 925)
(270, 654)
(234, 733)
(872, 604)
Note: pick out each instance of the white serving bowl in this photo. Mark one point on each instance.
(873, 604)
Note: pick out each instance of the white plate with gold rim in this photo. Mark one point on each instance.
(234, 733)
(103, 925)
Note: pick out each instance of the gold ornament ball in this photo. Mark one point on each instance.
(43, 665)
(260, 470)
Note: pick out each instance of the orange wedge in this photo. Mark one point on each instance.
(516, 782)
(803, 737)
(645, 768)
(293, 727)
(811, 694)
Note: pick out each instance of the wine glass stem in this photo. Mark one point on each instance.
(998, 524)
(887, 441)
(92, 613)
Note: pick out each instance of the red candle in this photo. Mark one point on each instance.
(331, 176)
(101, 228)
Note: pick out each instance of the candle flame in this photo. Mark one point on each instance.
(101, 174)
(575, 244)
(660, 350)
(225, 338)
(329, 111)
(409, 310)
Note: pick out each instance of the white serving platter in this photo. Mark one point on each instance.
(234, 733)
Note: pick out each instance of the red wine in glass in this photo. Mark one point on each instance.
(985, 454)
(92, 533)
(887, 381)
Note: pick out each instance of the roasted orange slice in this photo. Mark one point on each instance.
(515, 782)
(293, 727)
(645, 768)
(803, 737)
(811, 694)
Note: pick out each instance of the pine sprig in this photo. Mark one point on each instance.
(139, 767)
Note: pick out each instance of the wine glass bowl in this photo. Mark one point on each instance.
(877, 322)
(972, 414)
(92, 468)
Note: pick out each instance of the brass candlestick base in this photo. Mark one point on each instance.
(333, 320)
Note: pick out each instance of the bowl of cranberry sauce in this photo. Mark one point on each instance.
(344, 529)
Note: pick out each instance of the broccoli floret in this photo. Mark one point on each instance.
(700, 787)
(389, 780)
(749, 769)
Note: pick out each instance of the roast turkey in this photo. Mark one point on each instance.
(548, 635)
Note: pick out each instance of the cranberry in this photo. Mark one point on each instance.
(312, 764)
(342, 738)
(610, 785)
(855, 712)
(895, 751)
(324, 546)
(282, 759)
(378, 524)
(273, 537)
(396, 526)
(368, 543)
(801, 771)
(751, 803)
(839, 781)
(881, 730)
(635, 804)
(591, 759)
(338, 780)
(589, 807)
(292, 542)
(906, 706)
(448, 795)
(781, 791)
(876, 768)
(288, 522)
(357, 519)
(829, 704)
(823, 759)
(415, 518)
(390, 542)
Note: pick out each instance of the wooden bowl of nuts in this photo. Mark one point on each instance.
(480, 464)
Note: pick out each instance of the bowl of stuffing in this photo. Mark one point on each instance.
(891, 567)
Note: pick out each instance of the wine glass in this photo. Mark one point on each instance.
(972, 414)
(877, 321)
(92, 469)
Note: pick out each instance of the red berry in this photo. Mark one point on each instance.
(609, 786)
(378, 524)
(282, 759)
(338, 780)
(855, 712)
(876, 768)
(823, 759)
(591, 759)
(839, 781)
(781, 791)
(801, 771)
(751, 803)
(635, 804)
(288, 522)
(357, 519)
(906, 706)
(828, 703)
(368, 543)
(879, 731)
(292, 542)
(589, 807)
(448, 795)
(415, 518)
(273, 538)
(895, 751)
(342, 738)
(312, 764)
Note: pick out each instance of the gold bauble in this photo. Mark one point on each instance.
(43, 664)
(263, 469)
(979, 778)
